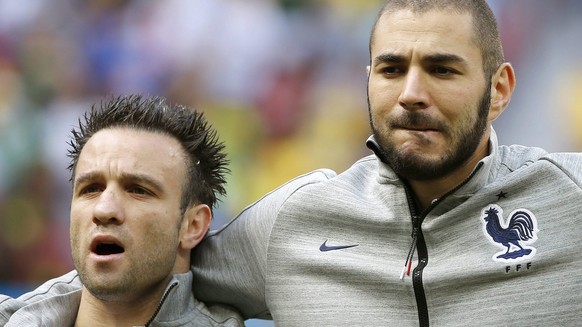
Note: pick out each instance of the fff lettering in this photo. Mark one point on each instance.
(518, 267)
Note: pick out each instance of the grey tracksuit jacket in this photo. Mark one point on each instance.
(55, 304)
(330, 250)
(325, 249)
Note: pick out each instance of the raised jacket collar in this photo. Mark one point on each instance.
(482, 174)
(177, 306)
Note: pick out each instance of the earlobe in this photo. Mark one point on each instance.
(194, 226)
(502, 86)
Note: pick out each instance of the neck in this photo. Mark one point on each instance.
(97, 312)
(428, 191)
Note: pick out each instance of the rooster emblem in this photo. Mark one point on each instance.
(513, 236)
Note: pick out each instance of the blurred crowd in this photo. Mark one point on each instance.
(283, 82)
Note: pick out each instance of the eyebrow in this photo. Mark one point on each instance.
(389, 58)
(81, 179)
(436, 58)
(445, 58)
(139, 178)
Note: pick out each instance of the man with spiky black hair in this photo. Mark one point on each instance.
(145, 177)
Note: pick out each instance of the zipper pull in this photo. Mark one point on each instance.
(410, 256)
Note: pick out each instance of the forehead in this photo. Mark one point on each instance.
(436, 31)
(125, 150)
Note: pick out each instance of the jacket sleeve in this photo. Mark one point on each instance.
(8, 306)
(230, 265)
(61, 285)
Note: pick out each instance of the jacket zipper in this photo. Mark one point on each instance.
(160, 305)
(418, 238)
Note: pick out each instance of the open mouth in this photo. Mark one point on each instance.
(108, 248)
(106, 245)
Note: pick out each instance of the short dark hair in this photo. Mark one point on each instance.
(206, 161)
(485, 30)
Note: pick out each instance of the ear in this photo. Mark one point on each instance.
(194, 226)
(502, 85)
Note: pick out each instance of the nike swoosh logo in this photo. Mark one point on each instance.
(324, 247)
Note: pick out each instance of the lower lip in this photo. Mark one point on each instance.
(422, 131)
(101, 259)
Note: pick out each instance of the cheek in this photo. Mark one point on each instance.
(382, 95)
(161, 237)
(78, 232)
(457, 102)
(164, 224)
(76, 219)
(380, 112)
(462, 121)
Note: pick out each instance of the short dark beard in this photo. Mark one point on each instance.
(415, 168)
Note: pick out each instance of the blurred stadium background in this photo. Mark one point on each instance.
(283, 82)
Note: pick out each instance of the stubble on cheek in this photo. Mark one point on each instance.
(75, 246)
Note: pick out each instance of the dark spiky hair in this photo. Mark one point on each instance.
(206, 161)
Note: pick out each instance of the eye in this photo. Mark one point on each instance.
(139, 190)
(391, 70)
(443, 71)
(91, 189)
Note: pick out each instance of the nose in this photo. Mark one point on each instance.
(414, 95)
(108, 209)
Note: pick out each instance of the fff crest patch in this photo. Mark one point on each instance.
(514, 234)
